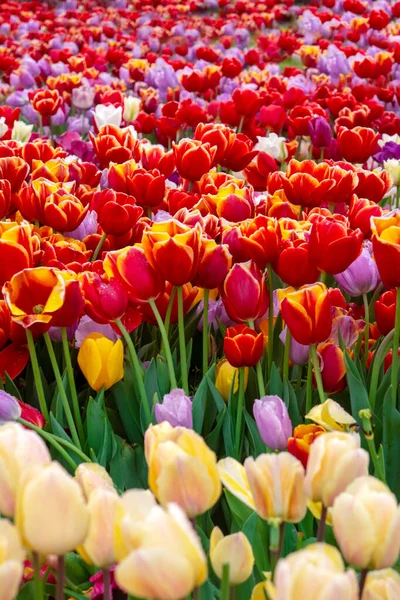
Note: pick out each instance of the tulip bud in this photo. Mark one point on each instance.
(361, 276)
(273, 422)
(226, 376)
(83, 97)
(10, 410)
(182, 469)
(234, 550)
(382, 585)
(51, 516)
(19, 450)
(101, 361)
(392, 166)
(243, 347)
(21, 132)
(12, 556)
(335, 460)
(131, 108)
(98, 547)
(366, 523)
(91, 477)
(107, 115)
(176, 408)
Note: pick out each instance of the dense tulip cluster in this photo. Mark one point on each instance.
(200, 299)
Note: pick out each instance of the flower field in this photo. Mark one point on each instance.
(200, 300)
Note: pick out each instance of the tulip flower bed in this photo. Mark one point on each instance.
(200, 300)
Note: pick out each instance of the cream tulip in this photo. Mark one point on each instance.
(131, 514)
(234, 550)
(19, 450)
(335, 460)
(51, 516)
(92, 476)
(12, 557)
(382, 585)
(366, 523)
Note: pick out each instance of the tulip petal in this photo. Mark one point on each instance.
(234, 478)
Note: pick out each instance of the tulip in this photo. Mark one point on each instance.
(168, 561)
(182, 469)
(91, 477)
(335, 460)
(361, 276)
(46, 102)
(385, 311)
(273, 422)
(101, 361)
(20, 449)
(112, 144)
(360, 213)
(146, 186)
(135, 507)
(320, 132)
(243, 347)
(98, 549)
(332, 367)
(306, 183)
(52, 517)
(176, 409)
(131, 108)
(333, 246)
(367, 507)
(231, 202)
(117, 212)
(331, 416)
(226, 375)
(392, 167)
(10, 410)
(314, 572)
(234, 550)
(386, 246)
(193, 158)
(382, 585)
(11, 560)
(214, 263)
(244, 292)
(21, 132)
(294, 264)
(298, 353)
(274, 146)
(105, 301)
(307, 313)
(107, 115)
(31, 414)
(303, 436)
(358, 144)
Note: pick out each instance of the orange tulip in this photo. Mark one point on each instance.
(193, 158)
(303, 437)
(308, 314)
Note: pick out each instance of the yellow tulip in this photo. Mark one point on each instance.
(331, 416)
(12, 556)
(234, 550)
(225, 376)
(335, 460)
(313, 573)
(51, 516)
(366, 523)
(101, 361)
(169, 561)
(92, 476)
(234, 478)
(182, 468)
(382, 585)
(98, 547)
(19, 450)
(132, 511)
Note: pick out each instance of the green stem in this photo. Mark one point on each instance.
(286, 355)
(169, 309)
(277, 532)
(56, 441)
(270, 319)
(99, 247)
(60, 578)
(366, 416)
(309, 387)
(61, 390)
(397, 196)
(36, 374)
(239, 130)
(376, 367)
(107, 595)
(36, 576)
(260, 378)
(225, 586)
(134, 360)
(366, 328)
(72, 386)
(182, 341)
(321, 524)
(239, 415)
(53, 442)
(167, 348)
(205, 332)
(317, 373)
(395, 354)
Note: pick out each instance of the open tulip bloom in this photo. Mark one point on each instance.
(200, 300)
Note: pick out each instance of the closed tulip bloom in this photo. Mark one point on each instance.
(386, 245)
(303, 436)
(176, 408)
(116, 212)
(52, 516)
(98, 547)
(214, 264)
(193, 158)
(19, 450)
(314, 573)
(92, 476)
(243, 347)
(226, 376)
(10, 410)
(333, 245)
(361, 276)
(105, 301)
(12, 557)
(382, 585)
(385, 311)
(332, 366)
(366, 523)
(308, 314)
(335, 460)
(320, 132)
(234, 550)
(101, 361)
(182, 469)
(244, 292)
(107, 115)
(83, 97)
(273, 422)
(356, 145)
(277, 486)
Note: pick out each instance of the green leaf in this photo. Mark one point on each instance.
(199, 405)
(275, 382)
(218, 400)
(128, 409)
(391, 443)
(256, 531)
(134, 467)
(10, 387)
(213, 438)
(358, 393)
(255, 438)
(99, 431)
(290, 399)
(290, 539)
(240, 511)
(228, 434)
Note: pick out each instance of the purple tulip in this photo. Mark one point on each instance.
(10, 410)
(298, 353)
(320, 132)
(273, 422)
(176, 408)
(361, 276)
(87, 326)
